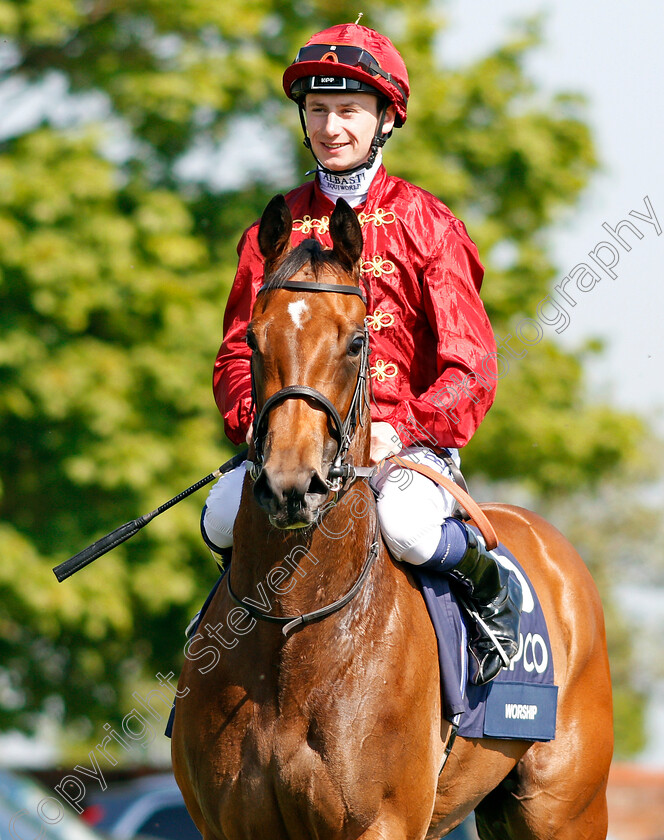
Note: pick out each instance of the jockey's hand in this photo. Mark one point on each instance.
(250, 434)
(384, 442)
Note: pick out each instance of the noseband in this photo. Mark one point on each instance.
(342, 431)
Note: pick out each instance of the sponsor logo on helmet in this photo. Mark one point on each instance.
(328, 83)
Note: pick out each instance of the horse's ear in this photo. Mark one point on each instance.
(346, 234)
(274, 231)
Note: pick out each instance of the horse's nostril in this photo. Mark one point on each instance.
(273, 492)
(263, 492)
(317, 486)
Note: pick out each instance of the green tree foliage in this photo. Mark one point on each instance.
(115, 266)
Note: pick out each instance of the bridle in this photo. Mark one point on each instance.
(339, 473)
(342, 430)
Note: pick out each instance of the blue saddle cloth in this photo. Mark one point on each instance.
(521, 701)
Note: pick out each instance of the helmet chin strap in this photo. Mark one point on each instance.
(377, 144)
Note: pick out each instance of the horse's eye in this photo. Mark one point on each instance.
(356, 345)
(251, 340)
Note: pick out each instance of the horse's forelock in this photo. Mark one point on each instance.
(308, 252)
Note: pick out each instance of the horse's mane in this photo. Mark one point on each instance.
(309, 251)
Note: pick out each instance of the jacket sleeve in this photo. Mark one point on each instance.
(448, 413)
(232, 371)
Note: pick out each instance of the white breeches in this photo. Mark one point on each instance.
(411, 508)
(221, 507)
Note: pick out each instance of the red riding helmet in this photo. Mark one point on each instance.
(350, 57)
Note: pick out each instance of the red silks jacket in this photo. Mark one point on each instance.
(433, 360)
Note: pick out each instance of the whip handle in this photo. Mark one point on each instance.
(124, 532)
(92, 552)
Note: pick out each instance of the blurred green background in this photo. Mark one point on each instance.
(120, 212)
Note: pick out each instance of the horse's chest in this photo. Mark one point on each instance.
(318, 744)
(286, 780)
(308, 762)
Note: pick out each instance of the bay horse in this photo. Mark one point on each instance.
(324, 721)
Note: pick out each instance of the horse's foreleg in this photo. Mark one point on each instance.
(541, 817)
(184, 783)
(548, 797)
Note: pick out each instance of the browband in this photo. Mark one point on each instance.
(306, 286)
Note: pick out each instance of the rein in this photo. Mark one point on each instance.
(291, 622)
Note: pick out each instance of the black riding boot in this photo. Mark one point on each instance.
(492, 598)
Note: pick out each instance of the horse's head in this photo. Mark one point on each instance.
(309, 363)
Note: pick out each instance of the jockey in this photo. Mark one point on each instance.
(433, 352)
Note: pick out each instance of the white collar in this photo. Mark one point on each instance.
(353, 187)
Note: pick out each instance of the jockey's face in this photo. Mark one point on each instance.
(342, 125)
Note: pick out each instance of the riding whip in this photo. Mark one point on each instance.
(124, 532)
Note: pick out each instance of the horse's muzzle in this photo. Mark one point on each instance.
(291, 500)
